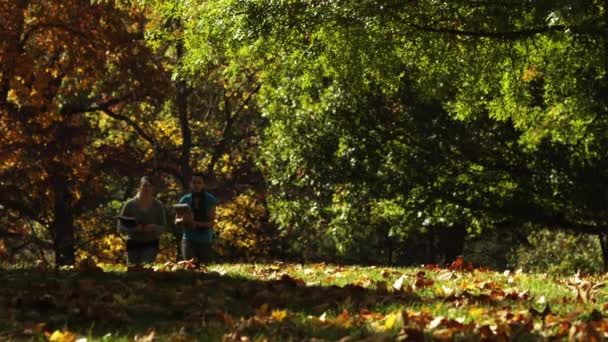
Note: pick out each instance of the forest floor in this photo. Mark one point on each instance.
(298, 302)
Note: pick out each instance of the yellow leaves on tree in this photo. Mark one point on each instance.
(239, 226)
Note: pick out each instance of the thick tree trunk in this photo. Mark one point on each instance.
(451, 242)
(62, 226)
(186, 147)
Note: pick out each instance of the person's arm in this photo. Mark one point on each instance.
(161, 225)
(184, 218)
(206, 224)
(127, 211)
(210, 214)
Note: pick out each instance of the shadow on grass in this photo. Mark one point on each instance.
(187, 305)
(204, 304)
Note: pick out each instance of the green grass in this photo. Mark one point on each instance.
(297, 302)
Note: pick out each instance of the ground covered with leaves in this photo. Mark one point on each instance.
(295, 302)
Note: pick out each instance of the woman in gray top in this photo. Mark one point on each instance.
(142, 218)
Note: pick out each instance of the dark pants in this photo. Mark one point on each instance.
(141, 252)
(199, 250)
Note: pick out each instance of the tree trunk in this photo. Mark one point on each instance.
(389, 250)
(184, 122)
(604, 244)
(186, 147)
(62, 226)
(387, 244)
(451, 241)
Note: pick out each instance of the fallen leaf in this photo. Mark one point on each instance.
(447, 292)
(343, 319)
(398, 284)
(443, 334)
(279, 315)
(394, 320)
(62, 336)
(34, 328)
(445, 275)
(435, 322)
(457, 264)
(145, 338)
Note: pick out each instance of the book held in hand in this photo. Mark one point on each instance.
(181, 209)
(129, 222)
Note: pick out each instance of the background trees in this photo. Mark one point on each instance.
(513, 96)
(376, 131)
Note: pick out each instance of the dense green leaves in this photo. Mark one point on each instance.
(439, 113)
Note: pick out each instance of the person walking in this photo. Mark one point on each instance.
(143, 220)
(197, 223)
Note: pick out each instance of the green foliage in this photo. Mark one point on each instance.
(558, 253)
(471, 120)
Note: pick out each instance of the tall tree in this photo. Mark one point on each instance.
(59, 62)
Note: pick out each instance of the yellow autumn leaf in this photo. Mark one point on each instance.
(390, 321)
(12, 96)
(394, 320)
(62, 336)
(279, 315)
(476, 312)
(54, 72)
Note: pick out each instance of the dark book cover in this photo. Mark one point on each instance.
(129, 222)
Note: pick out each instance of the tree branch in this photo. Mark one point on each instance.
(227, 127)
(61, 27)
(530, 212)
(140, 131)
(510, 35)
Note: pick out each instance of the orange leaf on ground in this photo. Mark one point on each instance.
(457, 264)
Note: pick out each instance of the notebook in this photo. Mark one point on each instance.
(129, 222)
(181, 209)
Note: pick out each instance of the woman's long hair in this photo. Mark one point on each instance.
(145, 179)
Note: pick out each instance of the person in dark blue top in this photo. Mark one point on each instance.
(197, 224)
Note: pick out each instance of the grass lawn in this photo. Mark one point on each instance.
(295, 302)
